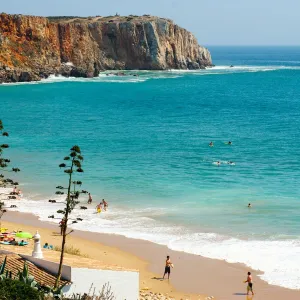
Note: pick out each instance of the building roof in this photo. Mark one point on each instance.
(15, 263)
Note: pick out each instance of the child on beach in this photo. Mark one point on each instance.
(99, 208)
(250, 283)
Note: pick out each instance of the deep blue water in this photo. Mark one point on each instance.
(145, 142)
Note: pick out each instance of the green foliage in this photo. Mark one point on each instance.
(17, 290)
(26, 278)
(4, 162)
(2, 267)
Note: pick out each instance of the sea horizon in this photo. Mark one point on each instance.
(145, 141)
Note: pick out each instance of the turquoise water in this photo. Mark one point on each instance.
(145, 142)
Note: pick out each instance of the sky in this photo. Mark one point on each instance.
(214, 22)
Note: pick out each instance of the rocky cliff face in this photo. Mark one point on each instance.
(32, 48)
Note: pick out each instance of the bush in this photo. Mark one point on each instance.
(70, 250)
(16, 290)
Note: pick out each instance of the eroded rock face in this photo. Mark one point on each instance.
(35, 47)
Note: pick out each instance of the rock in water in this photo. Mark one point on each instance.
(32, 48)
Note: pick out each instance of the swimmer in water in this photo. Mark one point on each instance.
(230, 162)
(229, 143)
(218, 163)
(211, 144)
(249, 205)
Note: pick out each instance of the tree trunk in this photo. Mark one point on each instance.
(64, 231)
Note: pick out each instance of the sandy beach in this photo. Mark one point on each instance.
(192, 278)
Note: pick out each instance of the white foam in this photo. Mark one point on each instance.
(279, 260)
(151, 75)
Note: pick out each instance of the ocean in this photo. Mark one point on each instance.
(145, 145)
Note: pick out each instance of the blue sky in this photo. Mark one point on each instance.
(214, 22)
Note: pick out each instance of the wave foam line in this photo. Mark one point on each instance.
(279, 260)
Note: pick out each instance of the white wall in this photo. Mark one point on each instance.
(124, 285)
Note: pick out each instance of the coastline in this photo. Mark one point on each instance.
(192, 276)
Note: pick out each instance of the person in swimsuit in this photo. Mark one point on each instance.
(105, 204)
(62, 226)
(167, 267)
(211, 144)
(249, 205)
(99, 208)
(90, 199)
(250, 283)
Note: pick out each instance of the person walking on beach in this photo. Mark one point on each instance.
(250, 283)
(168, 267)
(90, 199)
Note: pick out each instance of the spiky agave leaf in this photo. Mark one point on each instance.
(2, 267)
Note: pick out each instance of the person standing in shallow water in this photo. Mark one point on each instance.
(250, 283)
(90, 199)
(167, 267)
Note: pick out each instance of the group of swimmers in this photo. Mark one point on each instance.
(103, 205)
(17, 192)
(218, 163)
(211, 144)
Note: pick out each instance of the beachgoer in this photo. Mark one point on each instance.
(99, 208)
(14, 242)
(229, 143)
(15, 189)
(62, 226)
(218, 163)
(211, 144)
(250, 283)
(168, 267)
(23, 243)
(105, 204)
(249, 205)
(90, 199)
(47, 246)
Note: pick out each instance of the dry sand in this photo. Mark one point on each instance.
(193, 275)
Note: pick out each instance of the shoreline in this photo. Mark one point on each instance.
(193, 274)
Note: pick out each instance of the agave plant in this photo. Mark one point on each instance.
(53, 293)
(27, 279)
(71, 166)
(7, 274)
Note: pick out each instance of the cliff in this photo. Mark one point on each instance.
(32, 48)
